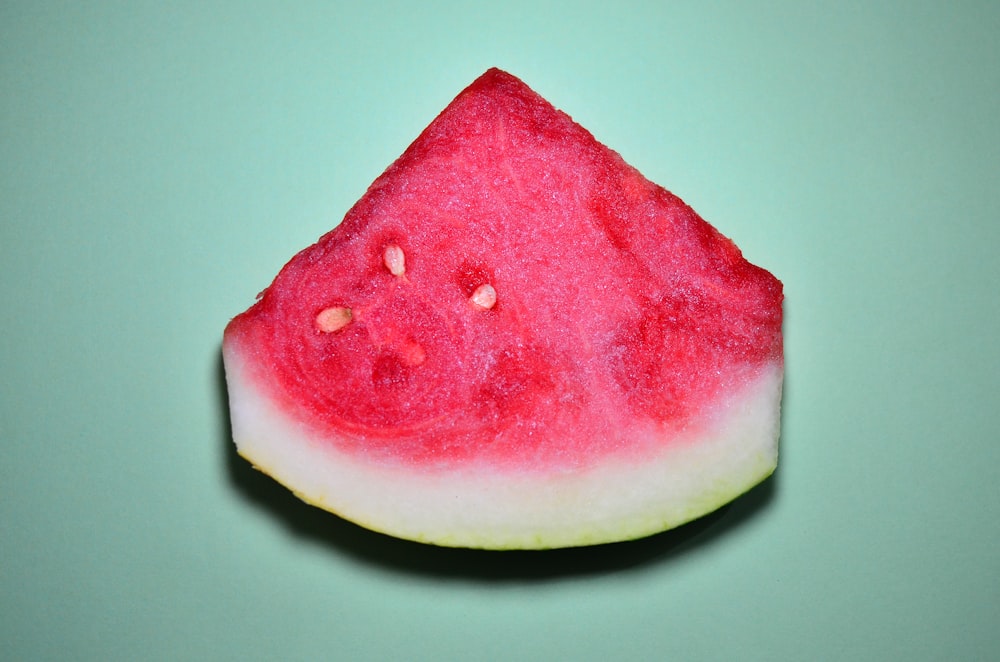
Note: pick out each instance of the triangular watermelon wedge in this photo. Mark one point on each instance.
(513, 340)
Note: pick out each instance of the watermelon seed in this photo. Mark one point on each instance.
(485, 297)
(334, 319)
(394, 260)
(413, 354)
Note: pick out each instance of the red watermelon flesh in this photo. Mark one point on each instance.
(513, 340)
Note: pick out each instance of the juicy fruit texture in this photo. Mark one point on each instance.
(513, 340)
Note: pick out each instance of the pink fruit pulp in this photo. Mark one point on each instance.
(622, 321)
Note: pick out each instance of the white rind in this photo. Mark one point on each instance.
(617, 500)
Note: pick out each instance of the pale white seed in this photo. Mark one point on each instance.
(394, 260)
(413, 353)
(485, 297)
(334, 319)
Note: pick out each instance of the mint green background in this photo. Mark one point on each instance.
(158, 166)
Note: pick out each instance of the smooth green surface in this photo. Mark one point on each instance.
(160, 162)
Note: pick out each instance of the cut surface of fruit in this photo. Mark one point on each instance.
(513, 340)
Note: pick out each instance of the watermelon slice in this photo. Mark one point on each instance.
(513, 340)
